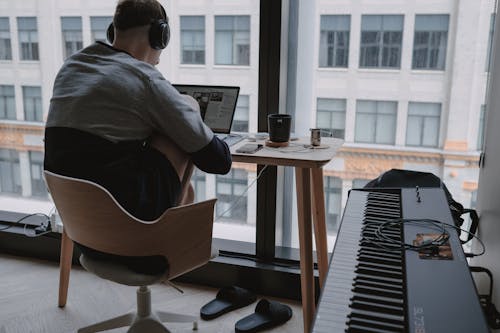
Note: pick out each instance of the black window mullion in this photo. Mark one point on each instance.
(269, 75)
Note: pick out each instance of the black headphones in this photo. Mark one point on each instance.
(159, 32)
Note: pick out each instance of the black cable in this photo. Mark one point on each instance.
(16, 223)
(392, 244)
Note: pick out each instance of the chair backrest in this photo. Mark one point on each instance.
(92, 217)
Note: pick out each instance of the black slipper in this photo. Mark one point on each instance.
(227, 299)
(267, 314)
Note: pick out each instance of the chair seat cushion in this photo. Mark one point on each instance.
(119, 273)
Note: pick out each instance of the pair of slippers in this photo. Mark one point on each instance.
(268, 314)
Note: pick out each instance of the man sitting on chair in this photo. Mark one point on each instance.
(115, 120)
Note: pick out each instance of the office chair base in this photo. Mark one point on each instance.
(144, 320)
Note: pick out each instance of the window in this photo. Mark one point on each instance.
(71, 35)
(192, 39)
(333, 203)
(7, 102)
(423, 124)
(381, 41)
(232, 198)
(490, 42)
(99, 27)
(240, 121)
(429, 42)
(10, 172)
(28, 38)
(5, 47)
(330, 117)
(480, 131)
(334, 40)
(198, 180)
(38, 188)
(232, 40)
(32, 97)
(376, 122)
(359, 183)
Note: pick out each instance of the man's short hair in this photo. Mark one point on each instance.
(135, 13)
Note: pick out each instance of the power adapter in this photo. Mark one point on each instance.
(44, 227)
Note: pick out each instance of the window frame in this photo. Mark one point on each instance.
(332, 48)
(193, 33)
(36, 102)
(423, 121)
(377, 114)
(430, 47)
(382, 44)
(5, 39)
(233, 33)
(331, 131)
(72, 36)
(29, 50)
(7, 113)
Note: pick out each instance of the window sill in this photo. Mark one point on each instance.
(243, 67)
(333, 69)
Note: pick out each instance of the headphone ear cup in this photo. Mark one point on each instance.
(110, 33)
(159, 34)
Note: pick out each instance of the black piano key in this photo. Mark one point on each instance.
(378, 260)
(364, 289)
(357, 328)
(372, 316)
(364, 304)
(375, 324)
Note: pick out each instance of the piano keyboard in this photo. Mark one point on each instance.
(371, 289)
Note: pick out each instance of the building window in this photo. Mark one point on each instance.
(334, 40)
(10, 171)
(359, 183)
(481, 129)
(232, 196)
(429, 42)
(381, 41)
(32, 97)
(193, 39)
(71, 35)
(376, 122)
(333, 203)
(7, 102)
(28, 38)
(490, 42)
(99, 27)
(232, 40)
(240, 121)
(38, 188)
(330, 117)
(198, 181)
(5, 47)
(423, 124)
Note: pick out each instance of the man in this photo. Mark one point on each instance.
(114, 119)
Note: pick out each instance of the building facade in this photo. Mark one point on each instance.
(402, 82)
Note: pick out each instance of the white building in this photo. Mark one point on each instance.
(403, 82)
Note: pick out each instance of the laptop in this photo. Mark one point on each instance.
(217, 107)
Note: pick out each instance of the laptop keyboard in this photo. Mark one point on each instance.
(230, 139)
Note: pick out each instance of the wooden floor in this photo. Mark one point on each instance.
(28, 301)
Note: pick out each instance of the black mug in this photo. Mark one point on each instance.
(278, 126)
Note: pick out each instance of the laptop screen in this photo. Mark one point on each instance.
(217, 104)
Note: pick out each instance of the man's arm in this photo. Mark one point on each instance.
(214, 157)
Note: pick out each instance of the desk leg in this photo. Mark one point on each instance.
(305, 242)
(319, 222)
(64, 268)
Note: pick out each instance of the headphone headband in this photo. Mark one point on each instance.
(159, 32)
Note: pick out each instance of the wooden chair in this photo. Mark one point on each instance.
(92, 217)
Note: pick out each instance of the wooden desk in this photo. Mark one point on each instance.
(308, 164)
